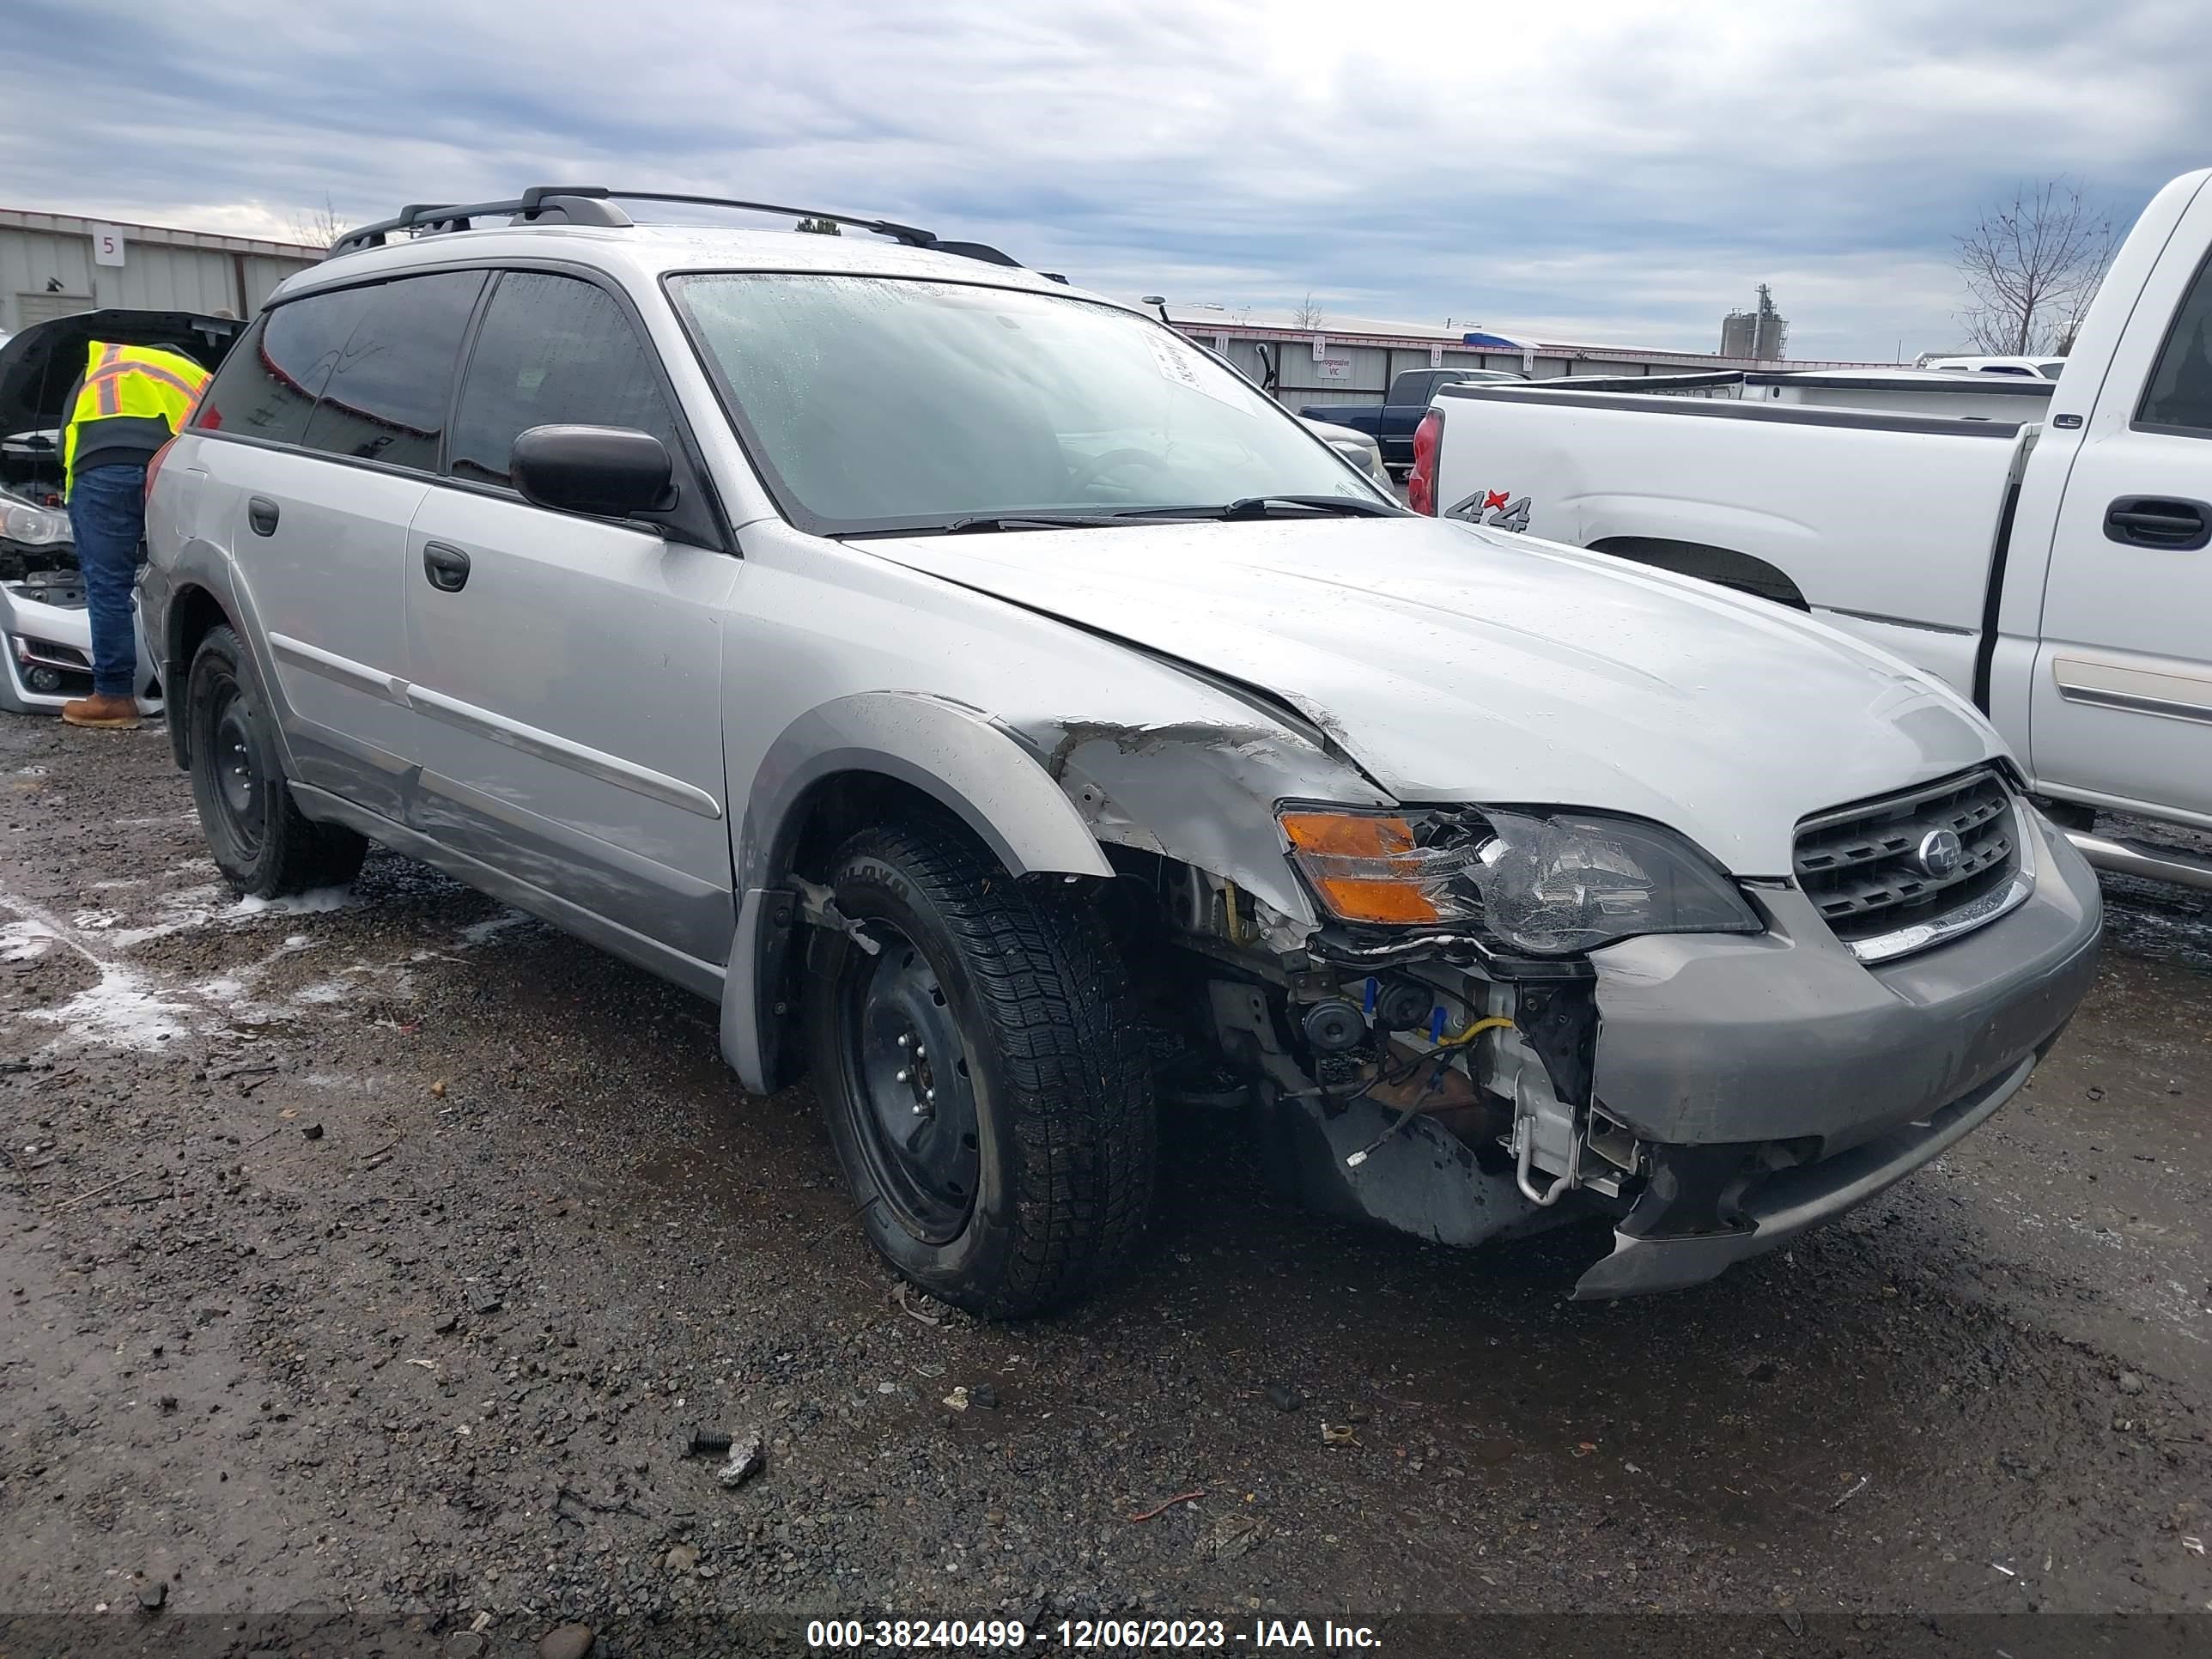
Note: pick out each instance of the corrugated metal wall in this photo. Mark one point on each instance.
(262, 272)
(31, 263)
(45, 273)
(1350, 376)
(1357, 374)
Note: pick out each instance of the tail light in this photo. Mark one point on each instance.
(154, 465)
(191, 418)
(1421, 482)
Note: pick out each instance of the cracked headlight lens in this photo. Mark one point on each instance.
(1569, 882)
(1542, 883)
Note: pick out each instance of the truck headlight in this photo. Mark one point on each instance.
(1543, 883)
(31, 525)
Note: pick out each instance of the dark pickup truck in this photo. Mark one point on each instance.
(1392, 425)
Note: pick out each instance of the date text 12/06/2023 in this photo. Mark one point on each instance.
(1097, 1635)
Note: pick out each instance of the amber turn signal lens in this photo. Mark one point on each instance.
(1362, 865)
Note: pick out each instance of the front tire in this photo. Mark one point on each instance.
(984, 1084)
(262, 843)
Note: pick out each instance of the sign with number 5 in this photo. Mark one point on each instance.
(106, 245)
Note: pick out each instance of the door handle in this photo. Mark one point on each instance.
(2160, 521)
(261, 514)
(447, 568)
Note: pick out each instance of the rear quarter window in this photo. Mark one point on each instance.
(387, 395)
(268, 385)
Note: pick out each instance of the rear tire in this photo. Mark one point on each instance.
(262, 843)
(1002, 1154)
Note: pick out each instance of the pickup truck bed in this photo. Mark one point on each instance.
(2054, 563)
(1613, 483)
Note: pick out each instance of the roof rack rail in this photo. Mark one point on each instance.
(594, 205)
(582, 204)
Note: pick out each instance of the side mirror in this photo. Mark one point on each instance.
(607, 471)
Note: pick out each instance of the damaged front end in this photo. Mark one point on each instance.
(1472, 1022)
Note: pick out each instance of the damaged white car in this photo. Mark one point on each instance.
(46, 658)
(1015, 720)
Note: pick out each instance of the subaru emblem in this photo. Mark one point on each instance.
(1940, 852)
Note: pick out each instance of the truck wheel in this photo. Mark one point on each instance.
(985, 1084)
(261, 843)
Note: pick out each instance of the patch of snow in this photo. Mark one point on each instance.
(95, 919)
(185, 907)
(24, 941)
(317, 902)
(121, 1012)
(482, 932)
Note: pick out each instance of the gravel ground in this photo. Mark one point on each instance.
(376, 1255)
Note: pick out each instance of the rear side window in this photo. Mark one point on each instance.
(2180, 395)
(386, 400)
(268, 385)
(552, 351)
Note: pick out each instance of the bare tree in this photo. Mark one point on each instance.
(1308, 315)
(316, 227)
(819, 227)
(2030, 266)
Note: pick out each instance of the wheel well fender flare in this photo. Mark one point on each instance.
(202, 594)
(957, 756)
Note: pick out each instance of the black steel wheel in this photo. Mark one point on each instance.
(984, 1084)
(905, 1065)
(261, 842)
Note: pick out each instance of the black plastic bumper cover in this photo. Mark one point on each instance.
(1784, 1205)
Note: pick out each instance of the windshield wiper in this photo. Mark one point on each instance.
(1262, 506)
(1028, 521)
(1347, 507)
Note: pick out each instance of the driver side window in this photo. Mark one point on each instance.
(552, 351)
(2179, 396)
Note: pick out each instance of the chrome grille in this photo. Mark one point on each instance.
(1862, 865)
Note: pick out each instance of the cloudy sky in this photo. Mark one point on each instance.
(1592, 171)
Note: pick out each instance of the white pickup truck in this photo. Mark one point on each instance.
(2056, 570)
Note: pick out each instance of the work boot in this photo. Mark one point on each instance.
(100, 710)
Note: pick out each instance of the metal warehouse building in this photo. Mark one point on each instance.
(1350, 360)
(53, 263)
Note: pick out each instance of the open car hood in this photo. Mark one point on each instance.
(39, 365)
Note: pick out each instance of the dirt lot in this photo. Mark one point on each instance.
(377, 1255)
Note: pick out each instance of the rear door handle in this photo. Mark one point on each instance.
(261, 514)
(447, 568)
(2160, 521)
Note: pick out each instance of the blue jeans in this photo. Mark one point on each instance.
(108, 513)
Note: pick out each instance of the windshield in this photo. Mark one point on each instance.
(879, 404)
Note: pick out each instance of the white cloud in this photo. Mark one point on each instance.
(1624, 171)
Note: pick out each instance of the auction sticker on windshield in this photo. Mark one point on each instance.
(1177, 365)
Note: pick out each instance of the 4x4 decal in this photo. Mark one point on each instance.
(1506, 511)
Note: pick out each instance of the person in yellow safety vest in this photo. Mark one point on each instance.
(130, 402)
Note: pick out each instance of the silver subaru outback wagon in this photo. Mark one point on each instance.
(1017, 722)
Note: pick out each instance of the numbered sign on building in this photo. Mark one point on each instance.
(107, 244)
